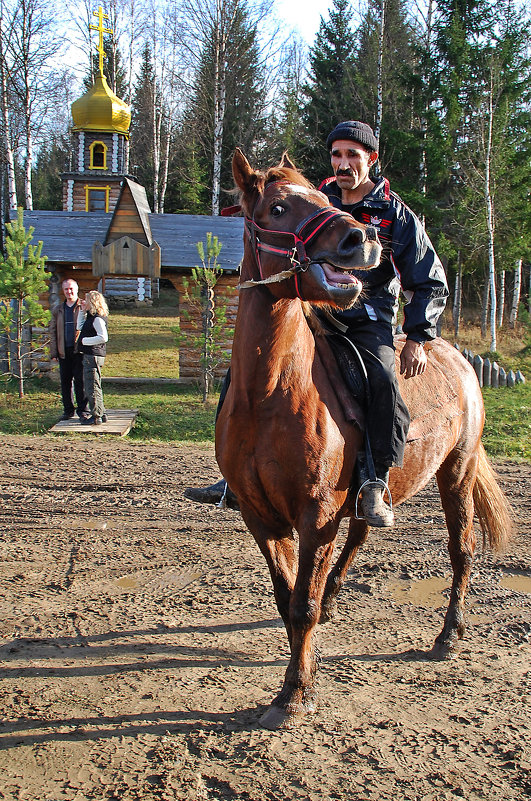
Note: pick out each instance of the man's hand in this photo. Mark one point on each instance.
(413, 359)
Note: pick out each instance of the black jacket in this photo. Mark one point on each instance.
(88, 330)
(409, 262)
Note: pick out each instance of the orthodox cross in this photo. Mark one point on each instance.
(101, 30)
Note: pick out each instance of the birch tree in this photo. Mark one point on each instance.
(513, 315)
(33, 45)
(229, 91)
(489, 211)
(379, 78)
(6, 30)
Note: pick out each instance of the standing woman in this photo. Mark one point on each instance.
(93, 336)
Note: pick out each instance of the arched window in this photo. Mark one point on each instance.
(98, 156)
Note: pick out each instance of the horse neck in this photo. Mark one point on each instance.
(273, 343)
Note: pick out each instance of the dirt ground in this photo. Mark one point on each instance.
(140, 644)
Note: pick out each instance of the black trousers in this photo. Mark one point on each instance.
(71, 373)
(387, 416)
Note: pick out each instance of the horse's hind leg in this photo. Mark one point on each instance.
(357, 534)
(456, 478)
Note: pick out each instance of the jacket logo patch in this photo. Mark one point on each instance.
(376, 221)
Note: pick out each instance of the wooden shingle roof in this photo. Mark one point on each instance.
(68, 236)
(177, 235)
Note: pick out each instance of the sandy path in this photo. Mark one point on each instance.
(140, 642)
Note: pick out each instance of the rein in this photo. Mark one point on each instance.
(306, 231)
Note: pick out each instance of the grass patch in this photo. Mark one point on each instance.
(142, 343)
(507, 432)
(166, 413)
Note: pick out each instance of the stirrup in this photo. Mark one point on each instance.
(385, 489)
(222, 503)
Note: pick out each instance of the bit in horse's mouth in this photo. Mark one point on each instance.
(338, 277)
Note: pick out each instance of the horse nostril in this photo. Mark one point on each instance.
(351, 241)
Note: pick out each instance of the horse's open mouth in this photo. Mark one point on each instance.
(339, 278)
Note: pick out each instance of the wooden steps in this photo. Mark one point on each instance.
(119, 421)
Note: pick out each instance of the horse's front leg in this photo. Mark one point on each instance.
(277, 544)
(357, 534)
(298, 692)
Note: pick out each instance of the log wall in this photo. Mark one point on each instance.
(189, 357)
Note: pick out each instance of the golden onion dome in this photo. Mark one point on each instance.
(101, 110)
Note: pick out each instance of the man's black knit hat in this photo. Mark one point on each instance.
(356, 132)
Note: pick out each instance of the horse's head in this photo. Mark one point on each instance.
(295, 233)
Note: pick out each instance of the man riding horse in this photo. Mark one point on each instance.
(409, 263)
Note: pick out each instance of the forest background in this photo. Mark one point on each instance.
(446, 84)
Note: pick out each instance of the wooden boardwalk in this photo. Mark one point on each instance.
(119, 421)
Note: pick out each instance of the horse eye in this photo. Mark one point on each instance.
(277, 210)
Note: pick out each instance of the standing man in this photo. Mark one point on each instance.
(409, 263)
(64, 346)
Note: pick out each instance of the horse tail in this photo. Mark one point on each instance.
(491, 505)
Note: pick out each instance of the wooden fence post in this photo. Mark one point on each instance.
(478, 368)
(487, 367)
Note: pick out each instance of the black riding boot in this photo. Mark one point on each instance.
(373, 506)
(218, 493)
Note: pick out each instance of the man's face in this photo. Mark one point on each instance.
(351, 163)
(70, 291)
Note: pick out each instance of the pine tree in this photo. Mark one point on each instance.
(142, 122)
(22, 281)
(330, 89)
(400, 138)
(47, 182)
(209, 311)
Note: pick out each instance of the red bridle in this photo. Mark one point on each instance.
(305, 233)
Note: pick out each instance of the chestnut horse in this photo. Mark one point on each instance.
(283, 440)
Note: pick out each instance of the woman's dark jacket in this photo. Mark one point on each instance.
(88, 330)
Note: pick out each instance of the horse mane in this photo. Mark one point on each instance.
(263, 178)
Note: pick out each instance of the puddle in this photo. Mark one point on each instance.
(156, 580)
(128, 583)
(430, 592)
(519, 582)
(425, 592)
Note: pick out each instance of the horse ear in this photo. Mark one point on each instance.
(287, 162)
(244, 175)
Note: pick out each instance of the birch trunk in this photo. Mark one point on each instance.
(379, 108)
(490, 222)
(28, 194)
(220, 90)
(8, 151)
(165, 167)
(516, 293)
(424, 122)
(501, 299)
(157, 123)
(458, 294)
(6, 124)
(485, 307)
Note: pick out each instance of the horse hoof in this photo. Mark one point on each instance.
(329, 613)
(275, 718)
(443, 651)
